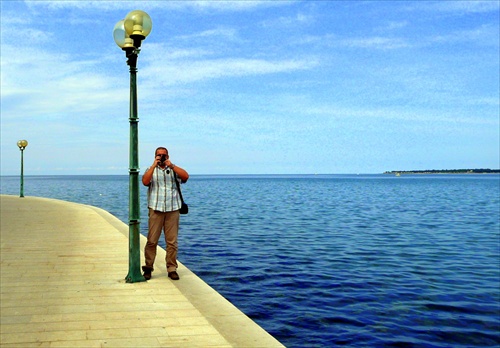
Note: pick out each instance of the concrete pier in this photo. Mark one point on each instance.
(62, 285)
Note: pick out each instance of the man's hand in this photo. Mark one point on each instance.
(156, 162)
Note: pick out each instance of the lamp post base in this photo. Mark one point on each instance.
(135, 277)
(134, 265)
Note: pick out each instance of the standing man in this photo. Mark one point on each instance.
(164, 203)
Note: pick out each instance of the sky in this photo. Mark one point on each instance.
(253, 87)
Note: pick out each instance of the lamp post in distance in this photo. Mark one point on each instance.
(128, 35)
(22, 145)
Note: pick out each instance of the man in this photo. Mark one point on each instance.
(164, 203)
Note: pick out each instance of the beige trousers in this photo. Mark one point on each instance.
(169, 223)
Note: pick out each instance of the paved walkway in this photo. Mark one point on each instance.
(62, 285)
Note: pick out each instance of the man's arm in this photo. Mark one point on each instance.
(181, 173)
(146, 178)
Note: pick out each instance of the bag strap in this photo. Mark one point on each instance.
(178, 186)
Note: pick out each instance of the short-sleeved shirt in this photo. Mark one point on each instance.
(163, 195)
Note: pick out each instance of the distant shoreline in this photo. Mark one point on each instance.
(394, 172)
(445, 171)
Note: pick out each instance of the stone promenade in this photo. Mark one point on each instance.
(62, 285)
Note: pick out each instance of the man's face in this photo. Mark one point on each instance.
(162, 152)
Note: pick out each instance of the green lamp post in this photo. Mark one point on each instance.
(22, 145)
(128, 35)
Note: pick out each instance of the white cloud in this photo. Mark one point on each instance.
(428, 116)
(397, 25)
(392, 26)
(377, 42)
(52, 83)
(21, 33)
(289, 21)
(460, 7)
(368, 42)
(171, 72)
(230, 5)
(469, 6)
(159, 52)
(225, 33)
(485, 34)
(202, 5)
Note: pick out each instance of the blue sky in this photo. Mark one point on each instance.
(253, 87)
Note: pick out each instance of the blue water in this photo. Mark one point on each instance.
(319, 261)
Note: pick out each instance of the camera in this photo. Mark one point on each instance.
(163, 158)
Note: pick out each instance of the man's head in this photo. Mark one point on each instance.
(161, 154)
(161, 151)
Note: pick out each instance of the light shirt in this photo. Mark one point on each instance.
(163, 195)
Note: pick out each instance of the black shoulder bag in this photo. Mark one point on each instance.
(184, 206)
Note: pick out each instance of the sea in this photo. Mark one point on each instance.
(334, 260)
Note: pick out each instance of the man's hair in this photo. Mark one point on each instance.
(160, 148)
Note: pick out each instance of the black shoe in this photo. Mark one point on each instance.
(173, 275)
(147, 272)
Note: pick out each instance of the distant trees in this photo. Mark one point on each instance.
(446, 171)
